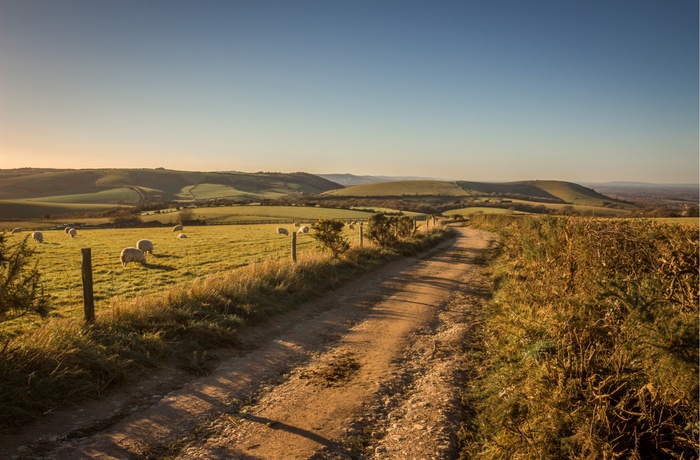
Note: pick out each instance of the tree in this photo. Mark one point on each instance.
(20, 292)
(185, 215)
(328, 234)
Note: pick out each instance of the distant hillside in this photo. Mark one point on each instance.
(400, 188)
(537, 191)
(349, 180)
(136, 185)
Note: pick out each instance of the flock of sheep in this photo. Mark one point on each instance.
(138, 253)
(39, 237)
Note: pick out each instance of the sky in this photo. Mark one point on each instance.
(575, 90)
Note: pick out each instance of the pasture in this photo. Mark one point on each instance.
(258, 213)
(207, 250)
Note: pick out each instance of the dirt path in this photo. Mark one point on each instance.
(371, 370)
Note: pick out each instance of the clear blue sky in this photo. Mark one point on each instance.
(579, 90)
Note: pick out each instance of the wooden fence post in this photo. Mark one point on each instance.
(360, 234)
(294, 247)
(88, 298)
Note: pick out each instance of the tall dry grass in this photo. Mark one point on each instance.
(591, 343)
(64, 361)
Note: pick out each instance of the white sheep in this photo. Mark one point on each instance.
(38, 237)
(303, 229)
(132, 255)
(282, 231)
(16, 230)
(145, 246)
(182, 235)
(72, 232)
(178, 228)
(67, 229)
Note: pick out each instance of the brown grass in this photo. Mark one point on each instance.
(591, 342)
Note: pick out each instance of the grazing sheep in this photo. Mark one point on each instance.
(182, 235)
(145, 246)
(177, 228)
(15, 230)
(297, 224)
(132, 255)
(38, 237)
(72, 232)
(67, 229)
(282, 231)
(303, 229)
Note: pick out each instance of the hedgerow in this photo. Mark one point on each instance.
(591, 346)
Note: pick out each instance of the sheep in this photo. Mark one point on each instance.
(67, 229)
(16, 230)
(145, 246)
(38, 237)
(282, 231)
(182, 235)
(178, 228)
(303, 229)
(132, 255)
(72, 232)
(297, 224)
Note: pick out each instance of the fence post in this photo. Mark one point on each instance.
(360, 234)
(294, 247)
(88, 298)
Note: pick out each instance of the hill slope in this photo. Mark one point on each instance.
(134, 185)
(558, 192)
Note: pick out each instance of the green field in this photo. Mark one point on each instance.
(20, 209)
(256, 213)
(116, 195)
(481, 210)
(401, 188)
(207, 250)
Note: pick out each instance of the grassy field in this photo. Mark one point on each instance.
(401, 188)
(208, 249)
(20, 209)
(480, 210)
(678, 220)
(110, 196)
(256, 213)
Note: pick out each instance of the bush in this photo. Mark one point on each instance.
(387, 231)
(328, 234)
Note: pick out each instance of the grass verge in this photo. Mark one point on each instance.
(65, 361)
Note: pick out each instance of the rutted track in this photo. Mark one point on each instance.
(372, 370)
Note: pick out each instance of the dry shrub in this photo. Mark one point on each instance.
(592, 342)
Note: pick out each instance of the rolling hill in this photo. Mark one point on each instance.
(33, 193)
(131, 186)
(538, 191)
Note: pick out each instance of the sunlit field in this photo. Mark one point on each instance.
(207, 250)
(257, 213)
